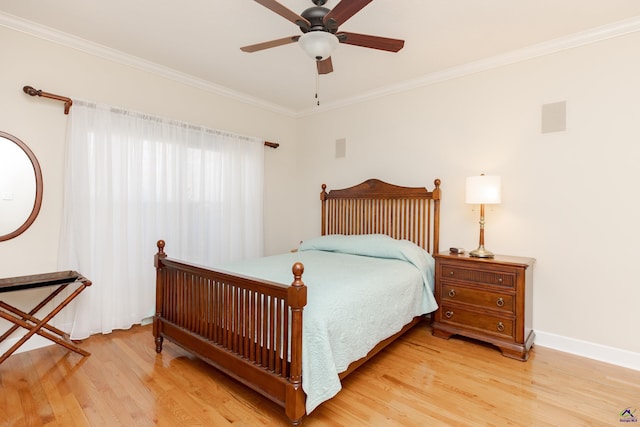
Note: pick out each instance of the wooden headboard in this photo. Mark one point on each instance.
(373, 207)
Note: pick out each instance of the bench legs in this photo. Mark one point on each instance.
(39, 326)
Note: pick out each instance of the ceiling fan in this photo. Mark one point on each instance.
(320, 34)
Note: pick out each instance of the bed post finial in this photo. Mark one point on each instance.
(297, 270)
(161, 247)
(298, 290)
(436, 190)
(160, 255)
(323, 199)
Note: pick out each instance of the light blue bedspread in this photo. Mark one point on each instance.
(361, 290)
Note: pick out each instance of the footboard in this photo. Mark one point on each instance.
(250, 329)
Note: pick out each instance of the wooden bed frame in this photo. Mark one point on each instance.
(246, 327)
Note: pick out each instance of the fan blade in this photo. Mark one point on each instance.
(325, 66)
(287, 14)
(343, 11)
(372, 42)
(269, 44)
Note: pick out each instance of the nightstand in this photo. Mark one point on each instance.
(488, 299)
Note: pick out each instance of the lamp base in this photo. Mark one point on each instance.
(481, 252)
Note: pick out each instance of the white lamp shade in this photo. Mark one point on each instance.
(483, 189)
(319, 45)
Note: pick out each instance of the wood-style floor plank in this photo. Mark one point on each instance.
(418, 381)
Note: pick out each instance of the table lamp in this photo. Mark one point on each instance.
(482, 190)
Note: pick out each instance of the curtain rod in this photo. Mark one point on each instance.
(33, 92)
(68, 102)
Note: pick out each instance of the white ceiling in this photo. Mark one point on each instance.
(199, 40)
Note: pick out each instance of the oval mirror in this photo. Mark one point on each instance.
(20, 187)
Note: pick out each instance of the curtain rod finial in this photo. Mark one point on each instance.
(31, 91)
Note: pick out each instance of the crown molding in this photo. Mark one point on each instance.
(80, 44)
(593, 35)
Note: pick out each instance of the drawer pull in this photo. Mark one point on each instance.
(500, 327)
(448, 314)
(500, 279)
(452, 293)
(451, 273)
(500, 302)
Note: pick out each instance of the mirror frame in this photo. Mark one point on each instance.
(37, 203)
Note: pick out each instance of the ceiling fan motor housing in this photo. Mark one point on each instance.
(315, 16)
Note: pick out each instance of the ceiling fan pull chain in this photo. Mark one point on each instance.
(317, 89)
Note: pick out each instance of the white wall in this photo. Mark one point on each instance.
(41, 124)
(569, 199)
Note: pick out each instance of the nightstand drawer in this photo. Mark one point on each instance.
(498, 278)
(495, 325)
(492, 300)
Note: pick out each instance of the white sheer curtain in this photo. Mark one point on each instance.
(132, 179)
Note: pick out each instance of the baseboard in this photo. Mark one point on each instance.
(603, 353)
(37, 341)
(32, 343)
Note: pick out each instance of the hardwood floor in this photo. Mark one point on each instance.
(420, 380)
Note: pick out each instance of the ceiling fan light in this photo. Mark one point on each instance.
(319, 45)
